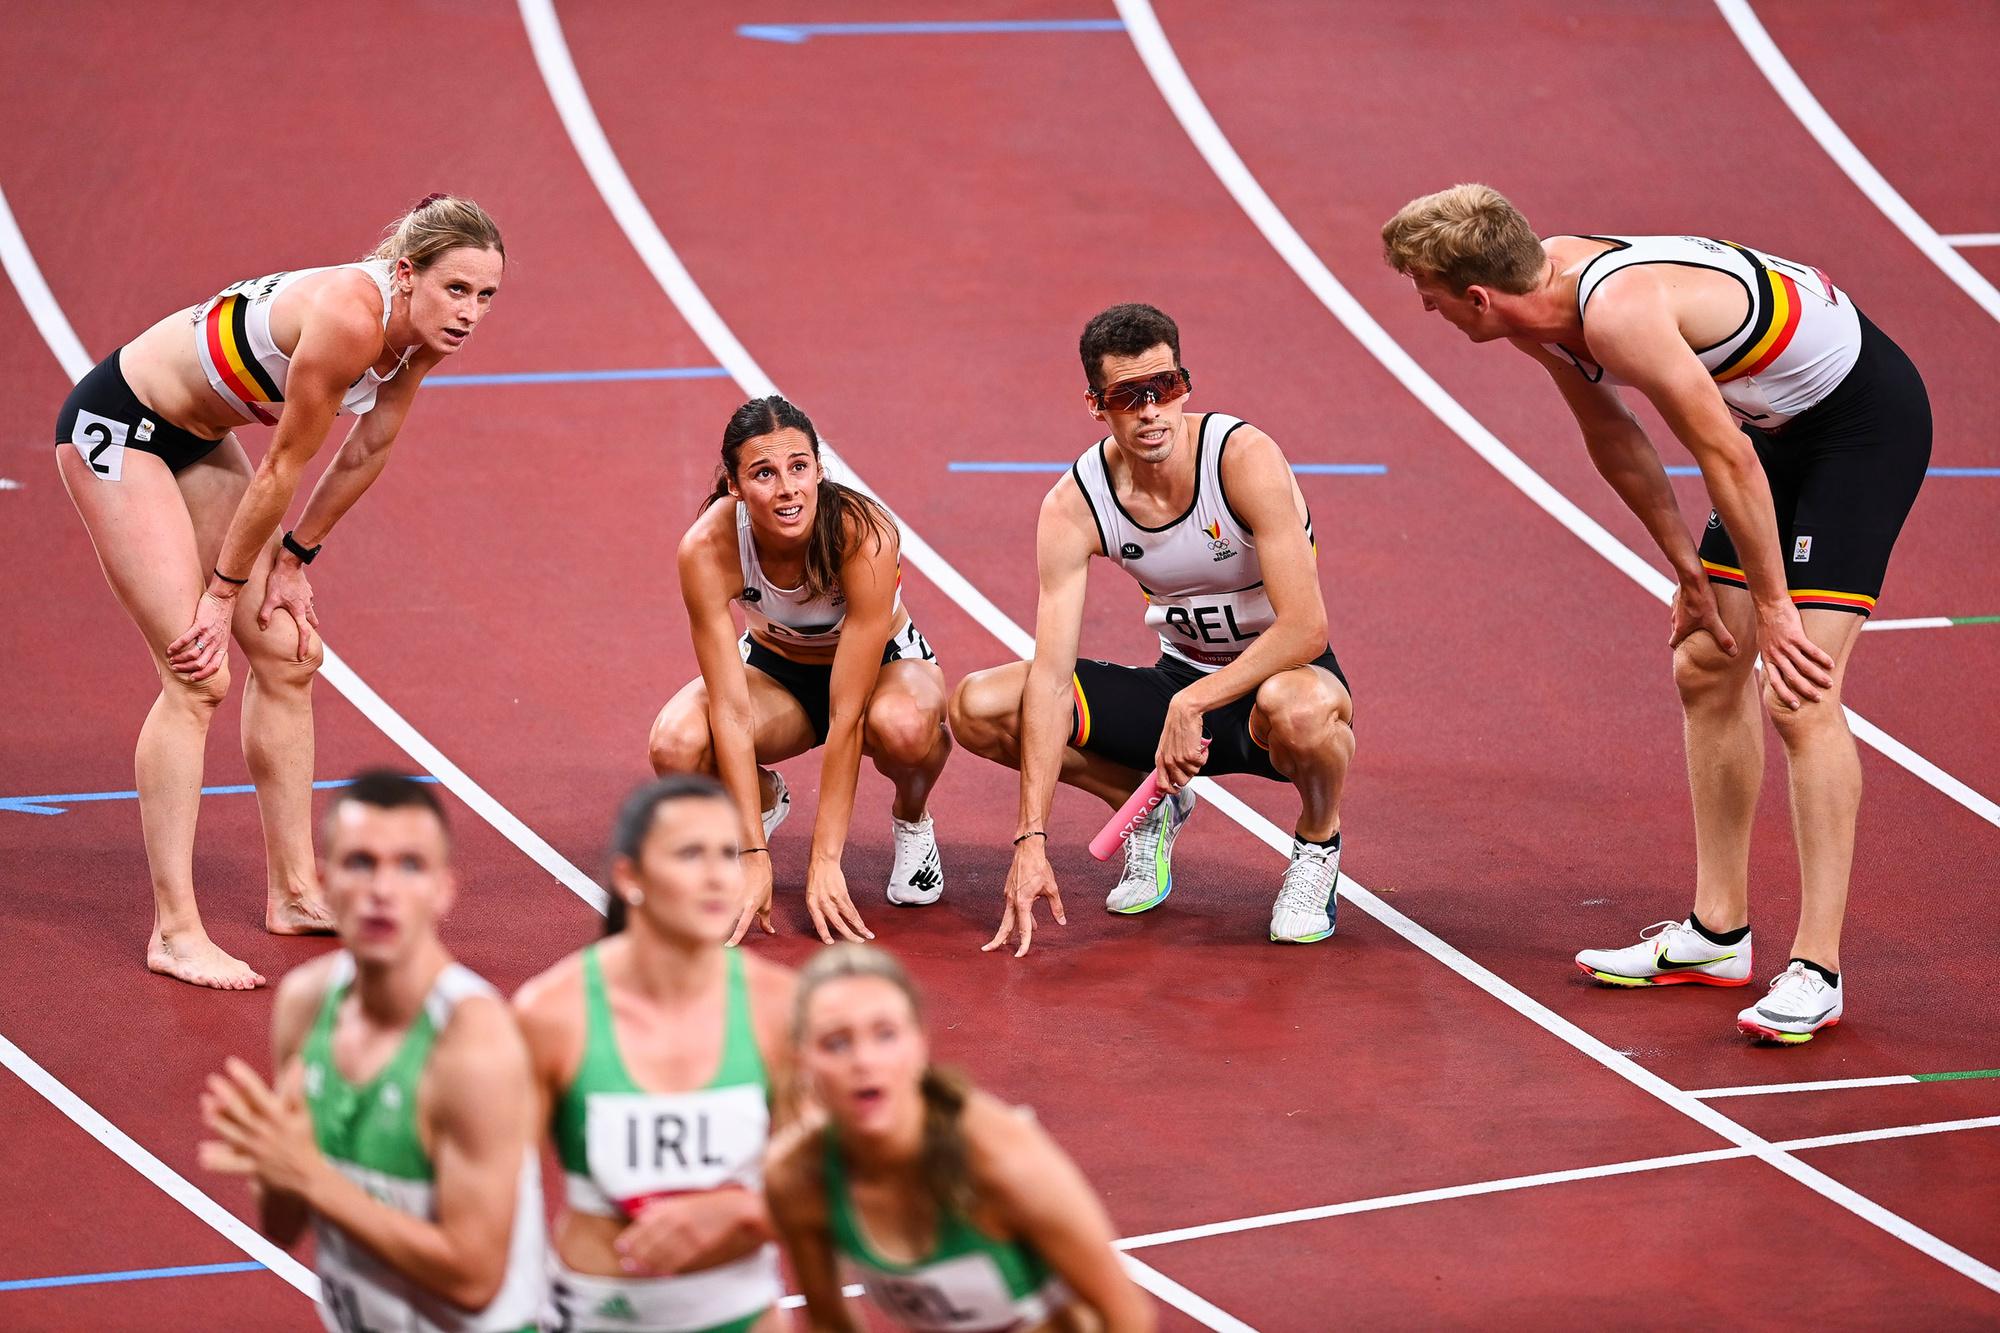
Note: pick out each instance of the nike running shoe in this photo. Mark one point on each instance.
(1800, 1003)
(781, 803)
(1305, 908)
(1149, 857)
(917, 878)
(1670, 953)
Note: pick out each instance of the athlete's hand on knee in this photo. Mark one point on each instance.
(287, 588)
(827, 900)
(1183, 749)
(203, 648)
(264, 1133)
(1695, 609)
(669, 1234)
(1029, 878)
(1796, 669)
(756, 896)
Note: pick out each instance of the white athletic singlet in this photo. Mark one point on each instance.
(1796, 343)
(787, 615)
(243, 364)
(1203, 582)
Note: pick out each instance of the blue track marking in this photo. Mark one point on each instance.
(129, 1275)
(1689, 470)
(580, 376)
(1302, 469)
(57, 805)
(793, 34)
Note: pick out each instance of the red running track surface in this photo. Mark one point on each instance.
(907, 233)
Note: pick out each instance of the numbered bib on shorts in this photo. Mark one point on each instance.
(967, 1294)
(359, 1293)
(101, 441)
(644, 1144)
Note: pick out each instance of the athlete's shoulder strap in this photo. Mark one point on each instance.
(1093, 481)
(746, 544)
(454, 984)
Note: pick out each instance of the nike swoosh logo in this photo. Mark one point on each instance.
(1794, 1018)
(1666, 964)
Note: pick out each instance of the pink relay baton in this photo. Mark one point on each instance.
(1137, 806)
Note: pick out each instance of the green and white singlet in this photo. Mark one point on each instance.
(969, 1283)
(369, 1132)
(621, 1147)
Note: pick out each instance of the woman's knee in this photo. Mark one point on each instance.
(201, 696)
(679, 741)
(982, 712)
(902, 728)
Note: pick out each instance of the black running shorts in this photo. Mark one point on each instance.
(1844, 474)
(103, 418)
(808, 682)
(1119, 711)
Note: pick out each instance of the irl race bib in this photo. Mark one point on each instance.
(962, 1295)
(643, 1144)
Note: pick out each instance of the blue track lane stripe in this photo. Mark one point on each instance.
(1689, 470)
(129, 1275)
(1302, 469)
(794, 34)
(52, 805)
(579, 376)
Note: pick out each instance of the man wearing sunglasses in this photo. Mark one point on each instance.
(1203, 513)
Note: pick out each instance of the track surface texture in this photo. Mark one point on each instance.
(906, 233)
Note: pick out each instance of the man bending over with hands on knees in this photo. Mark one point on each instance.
(1813, 432)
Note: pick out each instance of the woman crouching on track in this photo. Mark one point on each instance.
(147, 450)
(656, 1049)
(957, 1212)
(831, 658)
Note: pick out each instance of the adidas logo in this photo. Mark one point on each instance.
(617, 1307)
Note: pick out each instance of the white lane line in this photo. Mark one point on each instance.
(1785, 81)
(175, 1186)
(1165, 67)
(1820, 1085)
(587, 134)
(1972, 238)
(338, 674)
(61, 338)
(1512, 1183)
(1920, 622)
(573, 105)
(1178, 1296)
(1214, 146)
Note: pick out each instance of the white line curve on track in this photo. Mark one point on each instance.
(1785, 81)
(1161, 62)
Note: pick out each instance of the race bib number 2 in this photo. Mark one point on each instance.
(101, 441)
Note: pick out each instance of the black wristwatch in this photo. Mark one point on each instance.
(304, 553)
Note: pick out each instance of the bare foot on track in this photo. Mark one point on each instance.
(298, 916)
(195, 959)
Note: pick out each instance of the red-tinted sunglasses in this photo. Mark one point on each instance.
(1131, 395)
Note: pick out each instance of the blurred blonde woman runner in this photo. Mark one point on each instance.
(956, 1211)
(656, 1050)
(187, 531)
